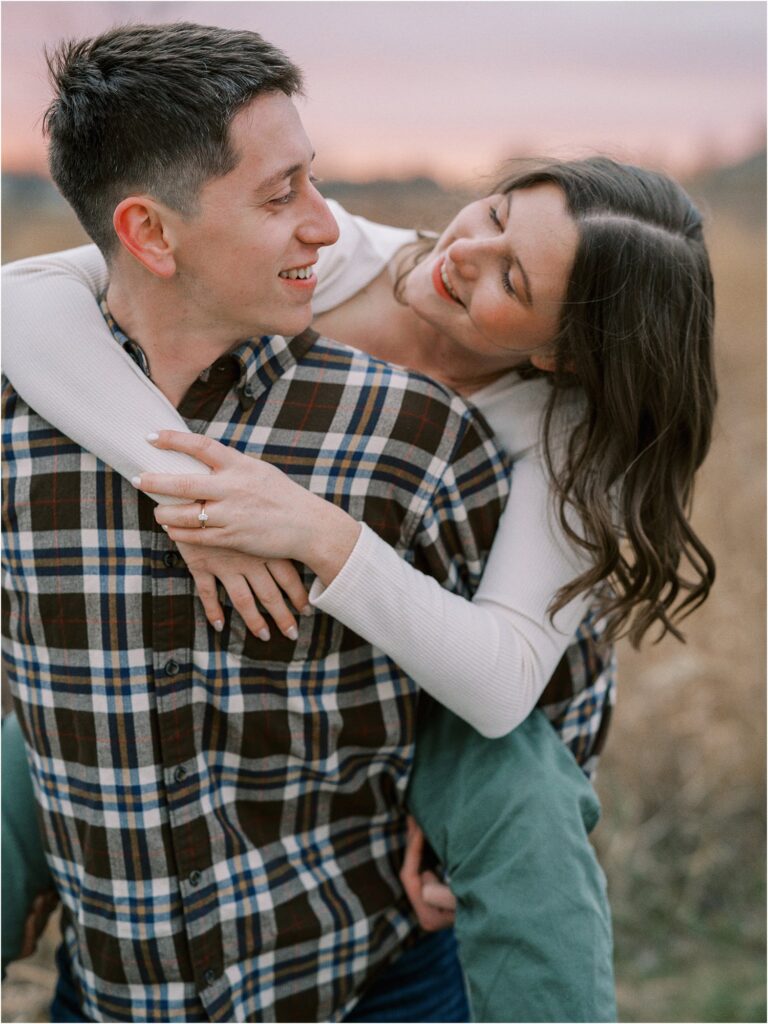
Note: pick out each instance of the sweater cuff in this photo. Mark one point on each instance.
(353, 583)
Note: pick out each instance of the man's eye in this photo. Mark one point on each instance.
(283, 200)
(493, 213)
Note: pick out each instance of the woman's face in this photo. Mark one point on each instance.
(497, 278)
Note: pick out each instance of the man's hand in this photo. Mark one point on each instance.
(433, 901)
(43, 906)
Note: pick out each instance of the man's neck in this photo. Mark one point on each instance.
(177, 343)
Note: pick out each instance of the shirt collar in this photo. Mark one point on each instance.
(261, 360)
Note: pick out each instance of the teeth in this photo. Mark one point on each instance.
(301, 274)
(447, 283)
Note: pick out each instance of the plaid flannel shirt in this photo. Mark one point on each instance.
(224, 820)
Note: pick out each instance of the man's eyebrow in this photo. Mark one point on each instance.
(516, 262)
(280, 176)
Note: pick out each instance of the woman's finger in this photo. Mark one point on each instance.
(287, 577)
(198, 538)
(207, 591)
(212, 453)
(192, 486)
(241, 596)
(187, 517)
(270, 595)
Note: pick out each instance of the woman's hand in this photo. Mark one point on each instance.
(433, 901)
(245, 578)
(249, 506)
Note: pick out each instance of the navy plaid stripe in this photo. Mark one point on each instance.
(224, 818)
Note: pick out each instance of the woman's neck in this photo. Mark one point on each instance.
(440, 358)
(375, 322)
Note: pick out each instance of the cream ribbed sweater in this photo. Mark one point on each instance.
(488, 660)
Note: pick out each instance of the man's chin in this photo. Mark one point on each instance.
(296, 323)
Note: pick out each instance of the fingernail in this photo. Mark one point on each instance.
(263, 634)
(163, 527)
(135, 480)
(292, 633)
(152, 438)
(307, 609)
(218, 625)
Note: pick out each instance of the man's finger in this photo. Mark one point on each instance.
(436, 893)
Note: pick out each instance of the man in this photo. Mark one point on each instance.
(224, 818)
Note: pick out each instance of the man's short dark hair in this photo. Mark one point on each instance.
(147, 108)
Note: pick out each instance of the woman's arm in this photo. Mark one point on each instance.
(488, 661)
(62, 359)
(60, 356)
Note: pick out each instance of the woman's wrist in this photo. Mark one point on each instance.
(332, 535)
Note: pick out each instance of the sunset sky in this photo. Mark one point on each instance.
(452, 89)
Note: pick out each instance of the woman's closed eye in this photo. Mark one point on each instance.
(506, 281)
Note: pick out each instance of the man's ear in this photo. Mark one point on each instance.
(141, 224)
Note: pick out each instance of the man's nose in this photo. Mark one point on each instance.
(319, 226)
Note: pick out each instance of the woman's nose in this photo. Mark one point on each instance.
(467, 254)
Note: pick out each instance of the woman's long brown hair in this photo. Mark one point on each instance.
(635, 337)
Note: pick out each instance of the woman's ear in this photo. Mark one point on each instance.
(544, 361)
(141, 224)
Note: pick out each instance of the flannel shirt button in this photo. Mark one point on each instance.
(170, 559)
(194, 878)
(179, 774)
(248, 391)
(210, 976)
(172, 668)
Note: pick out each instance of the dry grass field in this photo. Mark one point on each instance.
(683, 780)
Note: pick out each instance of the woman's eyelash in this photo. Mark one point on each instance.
(506, 284)
(505, 281)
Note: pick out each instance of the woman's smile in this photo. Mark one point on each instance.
(442, 283)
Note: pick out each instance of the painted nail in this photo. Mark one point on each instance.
(292, 633)
(135, 480)
(153, 437)
(218, 625)
(307, 609)
(263, 634)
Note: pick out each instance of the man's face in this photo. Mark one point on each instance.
(237, 257)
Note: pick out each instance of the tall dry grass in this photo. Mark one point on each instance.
(683, 778)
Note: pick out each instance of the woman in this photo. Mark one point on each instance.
(577, 301)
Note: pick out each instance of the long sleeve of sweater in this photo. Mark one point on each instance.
(487, 660)
(62, 359)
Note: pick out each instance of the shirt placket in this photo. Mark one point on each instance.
(172, 642)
